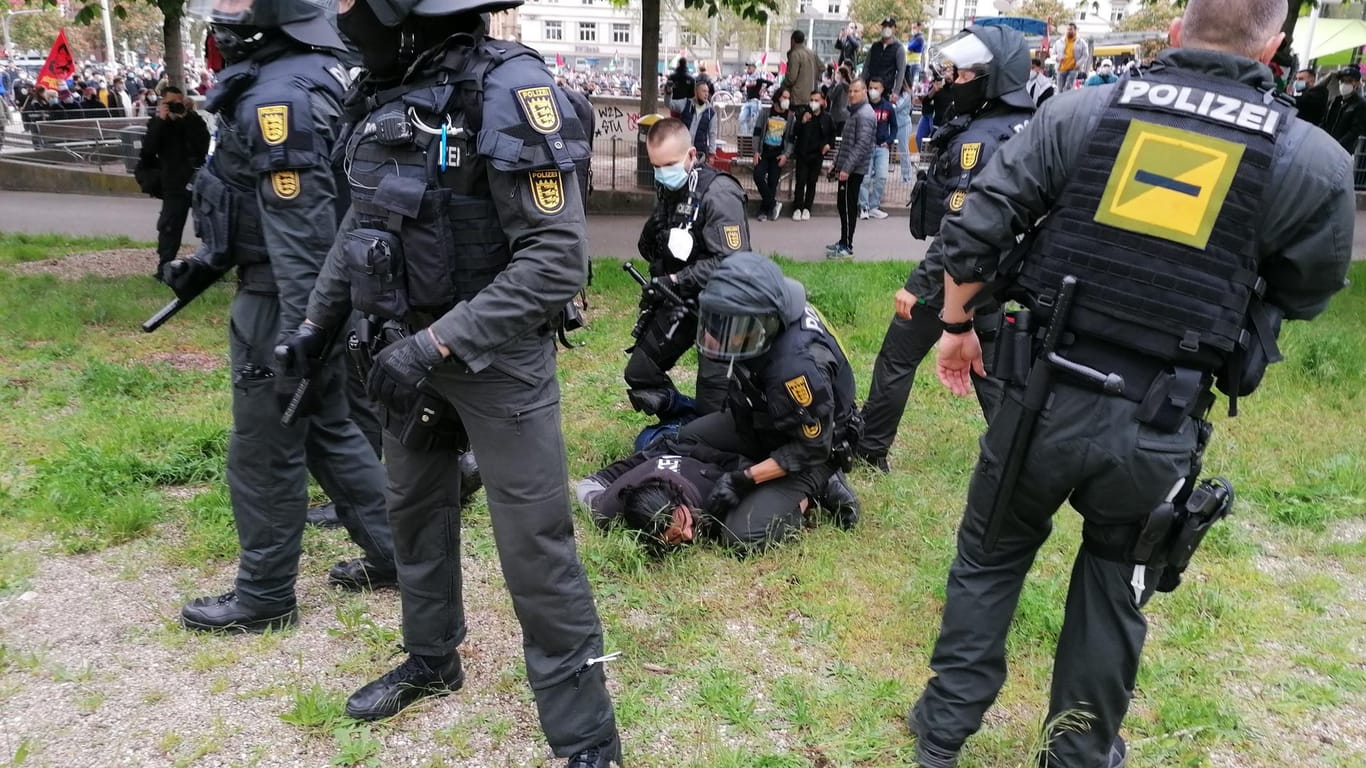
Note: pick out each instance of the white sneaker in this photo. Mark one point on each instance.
(777, 209)
(796, 214)
(877, 213)
(806, 214)
(862, 214)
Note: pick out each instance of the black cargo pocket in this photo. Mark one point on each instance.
(374, 259)
(430, 249)
(212, 215)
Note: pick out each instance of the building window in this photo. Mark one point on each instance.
(805, 7)
(588, 32)
(833, 6)
(969, 10)
(689, 39)
(621, 33)
(554, 30)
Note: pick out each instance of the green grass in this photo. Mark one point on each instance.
(807, 656)
(18, 247)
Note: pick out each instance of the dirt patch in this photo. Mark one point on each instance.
(120, 262)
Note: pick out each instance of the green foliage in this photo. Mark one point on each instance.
(1155, 16)
(1059, 13)
(316, 709)
(870, 14)
(16, 247)
(356, 746)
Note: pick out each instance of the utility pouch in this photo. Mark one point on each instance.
(432, 425)
(1172, 397)
(1014, 349)
(920, 226)
(374, 258)
(213, 217)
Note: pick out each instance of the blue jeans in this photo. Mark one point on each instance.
(903, 137)
(870, 193)
(749, 114)
(923, 129)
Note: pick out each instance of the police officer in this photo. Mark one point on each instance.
(790, 409)
(265, 204)
(1187, 213)
(990, 105)
(699, 219)
(466, 236)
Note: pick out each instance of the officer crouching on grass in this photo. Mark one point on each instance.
(699, 219)
(990, 106)
(1188, 213)
(265, 203)
(466, 237)
(790, 409)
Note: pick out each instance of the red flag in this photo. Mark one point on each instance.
(1046, 44)
(763, 60)
(59, 65)
(212, 58)
(559, 61)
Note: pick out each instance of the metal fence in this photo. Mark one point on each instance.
(104, 143)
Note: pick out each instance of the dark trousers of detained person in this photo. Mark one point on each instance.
(846, 200)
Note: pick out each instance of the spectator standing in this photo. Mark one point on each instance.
(848, 43)
(814, 136)
(1040, 86)
(935, 104)
(1105, 74)
(772, 148)
(37, 108)
(803, 66)
(851, 164)
(1346, 120)
(122, 105)
(1311, 98)
(755, 83)
(698, 115)
(915, 54)
(886, 61)
(175, 146)
(680, 83)
(875, 182)
(838, 98)
(704, 78)
(903, 129)
(1073, 57)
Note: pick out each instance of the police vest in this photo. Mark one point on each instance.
(265, 124)
(680, 209)
(1157, 223)
(427, 231)
(944, 186)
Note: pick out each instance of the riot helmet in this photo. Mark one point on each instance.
(242, 27)
(747, 303)
(391, 13)
(391, 34)
(998, 57)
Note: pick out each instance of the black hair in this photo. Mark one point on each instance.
(798, 36)
(1037, 62)
(649, 508)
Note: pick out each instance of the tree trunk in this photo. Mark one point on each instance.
(174, 42)
(649, 56)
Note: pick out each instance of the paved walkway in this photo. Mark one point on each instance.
(608, 236)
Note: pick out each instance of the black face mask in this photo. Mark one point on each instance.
(379, 45)
(237, 43)
(970, 96)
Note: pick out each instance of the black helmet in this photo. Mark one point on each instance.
(748, 301)
(391, 13)
(998, 54)
(307, 21)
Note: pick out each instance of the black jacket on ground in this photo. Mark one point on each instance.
(177, 148)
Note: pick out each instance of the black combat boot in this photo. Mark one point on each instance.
(415, 679)
(604, 755)
(840, 501)
(324, 516)
(360, 574)
(470, 479)
(224, 613)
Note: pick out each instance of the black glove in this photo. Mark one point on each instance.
(726, 495)
(650, 295)
(189, 277)
(400, 368)
(301, 352)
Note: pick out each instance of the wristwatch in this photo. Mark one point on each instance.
(955, 328)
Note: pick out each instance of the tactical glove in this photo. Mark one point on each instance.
(400, 368)
(301, 352)
(189, 277)
(726, 494)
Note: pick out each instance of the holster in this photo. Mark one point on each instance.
(432, 425)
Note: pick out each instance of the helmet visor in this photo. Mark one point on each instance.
(258, 13)
(734, 337)
(964, 51)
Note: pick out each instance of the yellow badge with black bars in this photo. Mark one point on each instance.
(285, 184)
(538, 104)
(1169, 183)
(969, 155)
(732, 233)
(800, 390)
(274, 122)
(547, 191)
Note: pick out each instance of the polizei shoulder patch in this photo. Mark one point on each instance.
(274, 122)
(547, 191)
(539, 108)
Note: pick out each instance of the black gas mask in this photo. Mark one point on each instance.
(237, 42)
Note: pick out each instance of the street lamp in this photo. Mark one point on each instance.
(4, 22)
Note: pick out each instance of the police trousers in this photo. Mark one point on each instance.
(175, 209)
(668, 335)
(511, 412)
(268, 464)
(904, 346)
(1088, 449)
(771, 512)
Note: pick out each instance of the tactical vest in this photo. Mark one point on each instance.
(427, 233)
(227, 215)
(680, 209)
(945, 184)
(1158, 221)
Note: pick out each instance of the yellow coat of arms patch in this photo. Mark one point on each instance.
(732, 232)
(957, 199)
(274, 122)
(811, 431)
(285, 184)
(539, 106)
(968, 157)
(547, 191)
(800, 390)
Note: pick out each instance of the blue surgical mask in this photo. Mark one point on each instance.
(672, 176)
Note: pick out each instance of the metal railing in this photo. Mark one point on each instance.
(98, 142)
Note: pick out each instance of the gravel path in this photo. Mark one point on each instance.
(121, 262)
